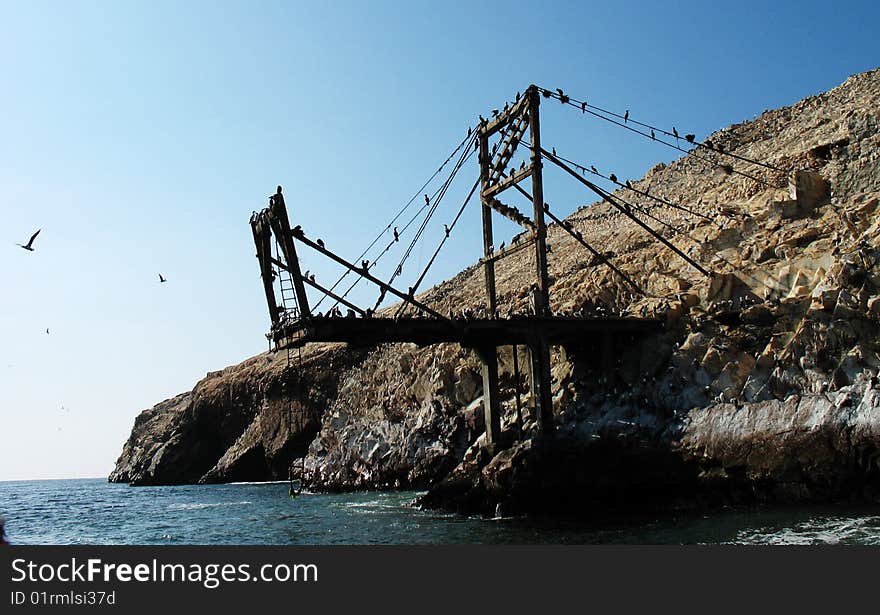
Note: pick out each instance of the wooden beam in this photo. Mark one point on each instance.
(503, 118)
(539, 349)
(511, 143)
(488, 265)
(511, 213)
(511, 249)
(263, 242)
(386, 287)
(326, 291)
(277, 215)
(506, 183)
(491, 405)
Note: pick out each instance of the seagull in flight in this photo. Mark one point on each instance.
(162, 279)
(29, 246)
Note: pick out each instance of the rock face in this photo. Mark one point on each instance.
(762, 385)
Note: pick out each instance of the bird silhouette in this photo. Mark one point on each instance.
(469, 131)
(613, 178)
(446, 229)
(675, 132)
(365, 264)
(29, 246)
(593, 169)
(690, 138)
(583, 107)
(47, 331)
(312, 277)
(162, 279)
(652, 135)
(320, 242)
(396, 235)
(501, 247)
(554, 151)
(626, 116)
(298, 230)
(494, 112)
(427, 200)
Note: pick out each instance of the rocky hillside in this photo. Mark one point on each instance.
(761, 386)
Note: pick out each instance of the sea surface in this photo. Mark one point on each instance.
(93, 511)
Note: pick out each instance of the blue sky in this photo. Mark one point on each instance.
(140, 136)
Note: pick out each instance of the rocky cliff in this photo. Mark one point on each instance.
(763, 384)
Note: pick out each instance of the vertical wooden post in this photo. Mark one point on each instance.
(516, 377)
(542, 303)
(263, 243)
(488, 265)
(539, 348)
(281, 226)
(491, 408)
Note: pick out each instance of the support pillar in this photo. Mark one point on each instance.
(488, 248)
(491, 408)
(539, 352)
(281, 226)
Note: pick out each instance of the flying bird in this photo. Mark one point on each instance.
(29, 246)
(162, 279)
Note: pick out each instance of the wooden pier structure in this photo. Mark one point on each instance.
(537, 331)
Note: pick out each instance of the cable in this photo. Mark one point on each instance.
(725, 167)
(583, 106)
(471, 136)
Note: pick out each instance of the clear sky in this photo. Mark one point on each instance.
(139, 136)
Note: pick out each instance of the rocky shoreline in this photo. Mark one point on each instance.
(762, 387)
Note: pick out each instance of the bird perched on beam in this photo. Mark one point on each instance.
(320, 242)
(427, 200)
(675, 133)
(396, 235)
(613, 178)
(446, 230)
(593, 169)
(652, 135)
(626, 116)
(690, 138)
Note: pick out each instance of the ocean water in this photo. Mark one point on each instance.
(92, 511)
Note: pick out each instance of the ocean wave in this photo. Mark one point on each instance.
(201, 505)
(827, 531)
